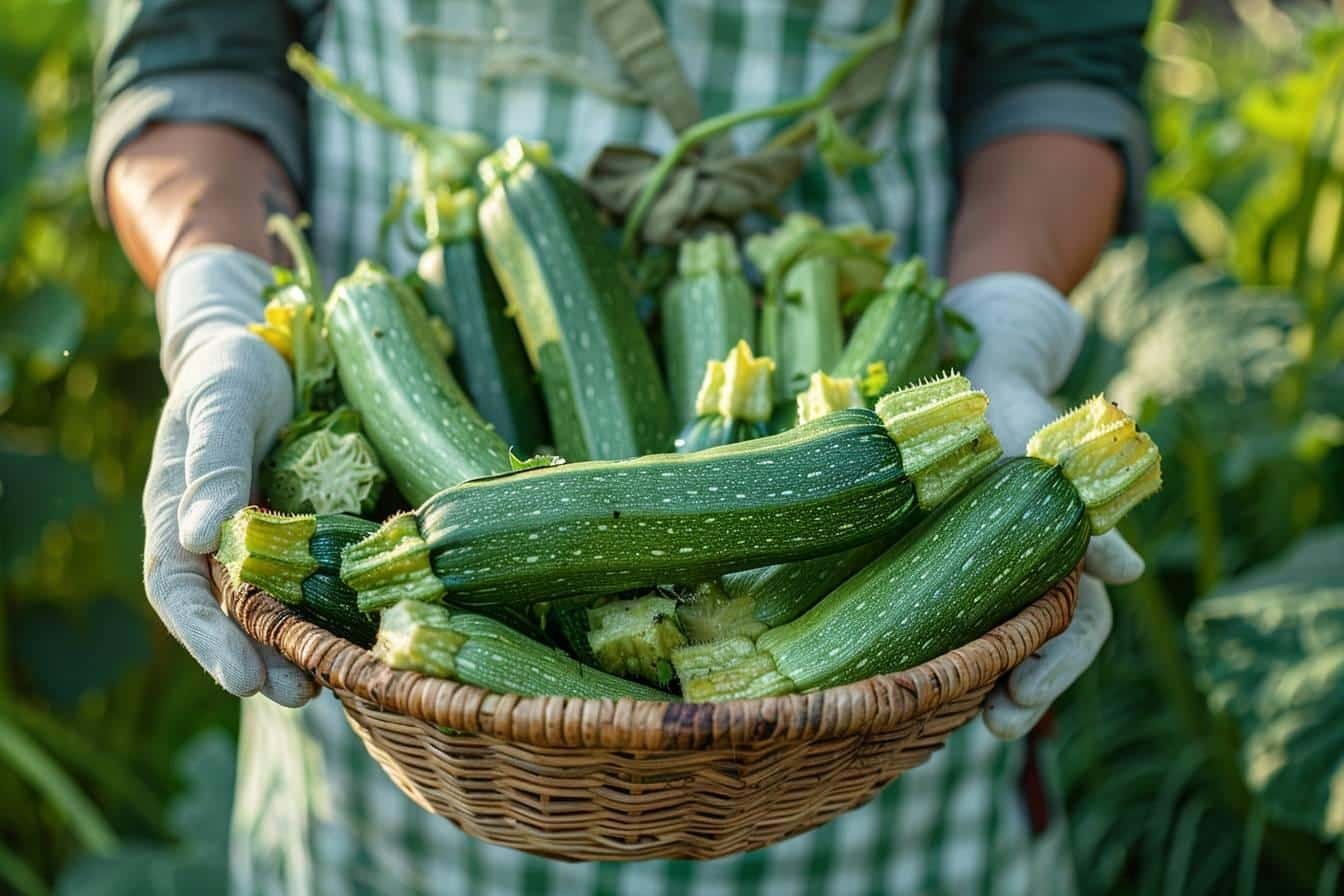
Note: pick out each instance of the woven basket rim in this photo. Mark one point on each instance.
(873, 705)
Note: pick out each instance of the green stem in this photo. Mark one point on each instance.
(710, 128)
(290, 233)
(356, 101)
(1204, 505)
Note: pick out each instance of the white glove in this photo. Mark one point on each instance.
(229, 393)
(1029, 339)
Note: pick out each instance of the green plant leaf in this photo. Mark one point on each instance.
(43, 331)
(108, 640)
(1270, 651)
(841, 152)
(19, 875)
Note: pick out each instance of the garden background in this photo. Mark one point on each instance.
(1203, 754)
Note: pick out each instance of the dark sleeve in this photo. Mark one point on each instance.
(1019, 66)
(219, 61)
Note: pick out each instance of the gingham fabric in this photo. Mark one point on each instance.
(314, 813)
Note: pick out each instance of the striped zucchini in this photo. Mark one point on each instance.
(296, 559)
(571, 301)
(707, 309)
(898, 329)
(603, 527)
(488, 353)
(733, 403)
(426, 432)
(978, 561)
(480, 651)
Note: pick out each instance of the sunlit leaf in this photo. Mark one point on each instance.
(1270, 649)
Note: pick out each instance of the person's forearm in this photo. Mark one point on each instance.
(177, 186)
(1042, 204)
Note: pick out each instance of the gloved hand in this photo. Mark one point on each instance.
(1029, 339)
(229, 393)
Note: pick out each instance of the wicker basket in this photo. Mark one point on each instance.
(601, 780)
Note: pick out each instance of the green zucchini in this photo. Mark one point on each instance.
(462, 290)
(733, 403)
(979, 560)
(898, 329)
(480, 651)
(808, 271)
(574, 309)
(424, 428)
(707, 309)
(603, 527)
(296, 559)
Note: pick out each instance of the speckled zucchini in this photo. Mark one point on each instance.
(707, 309)
(981, 559)
(477, 650)
(427, 434)
(487, 350)
(898, 329)
(574, 309)
(603, 527)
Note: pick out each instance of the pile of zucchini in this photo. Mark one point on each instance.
(776, 493)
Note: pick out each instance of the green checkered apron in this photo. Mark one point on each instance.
(314, 813)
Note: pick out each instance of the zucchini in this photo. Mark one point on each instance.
(296, 559)
(461, 289)
(707, 309)
(898, 329)
(480, 651)
(603, 527)
(979, 560)
(808, 270)
(425, 430)
(321, 461)
(733, 403)
(574, 309)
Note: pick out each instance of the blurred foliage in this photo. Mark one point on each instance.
(96, 702)
(1202, 752)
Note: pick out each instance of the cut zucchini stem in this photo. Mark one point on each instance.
(269, 550)
(944, 438)
(987, 555)
(1100, 450)
(391, 565)
(712, 614)
(826, 394)
(480, 651)
(635, 637)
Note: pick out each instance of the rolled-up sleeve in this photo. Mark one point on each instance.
(219, 61)
(1021, 66)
